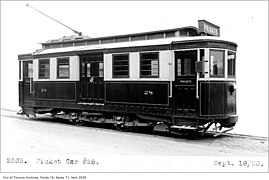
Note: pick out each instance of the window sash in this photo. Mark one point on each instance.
(44, 69)
(149, 65)
(27, 69)
(30, 70)
(63, 68)
(231, 59)
(186, 67)
(217, 63)
(101, 69)
(121, 66)
(19, 70)
(89, 69)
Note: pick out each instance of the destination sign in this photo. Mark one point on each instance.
(208, 28)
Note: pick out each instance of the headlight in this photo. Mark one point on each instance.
(232, 88)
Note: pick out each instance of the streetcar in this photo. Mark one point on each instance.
(171, 80)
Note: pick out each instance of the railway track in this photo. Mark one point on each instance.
(225, 144)
(242, 136)
(12, 114)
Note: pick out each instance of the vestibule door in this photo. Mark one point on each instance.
(27, 84)
(92, 78)
(185, 89)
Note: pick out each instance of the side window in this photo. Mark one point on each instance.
(27, 69)
(19, 70)
(44, 69)
(149, 65)
(121, 66)
(216, 63)
(63, 68)
(231, 64)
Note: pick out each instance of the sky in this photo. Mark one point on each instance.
(243, 22)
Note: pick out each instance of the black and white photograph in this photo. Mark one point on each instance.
(91, 87)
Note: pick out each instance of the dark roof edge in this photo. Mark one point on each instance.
(205, 40)
(25, 56)
(124, 35)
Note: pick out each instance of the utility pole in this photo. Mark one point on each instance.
(79, 33)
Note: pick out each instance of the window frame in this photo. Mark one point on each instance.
(101, 72)
(30, 71)
(140, 61)
(113, 68)
(20, 70)
(234, 60)
(223, 62)
(26, 69)
(192, 67)
(202, 55)
(39, 77)
(68, 60)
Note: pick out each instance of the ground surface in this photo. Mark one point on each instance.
(42, 139)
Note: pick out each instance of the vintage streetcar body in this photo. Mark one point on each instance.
(170, 79)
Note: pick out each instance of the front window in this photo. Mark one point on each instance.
(217, 63)
(149, 65)
(231, 64)
(44, 69)
(63, 68)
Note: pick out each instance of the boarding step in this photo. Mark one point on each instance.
(218, 133)
(184, 127)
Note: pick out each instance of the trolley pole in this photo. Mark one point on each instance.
(79, 33)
